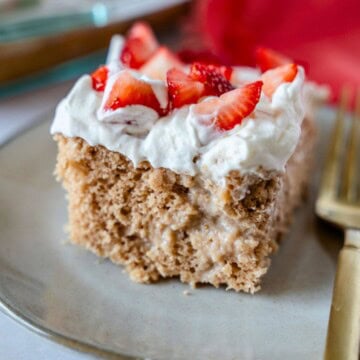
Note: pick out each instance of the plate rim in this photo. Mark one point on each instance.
(15, 314)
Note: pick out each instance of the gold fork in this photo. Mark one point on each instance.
(339, 203)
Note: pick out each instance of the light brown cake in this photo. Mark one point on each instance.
(161, 224)
(185, 170)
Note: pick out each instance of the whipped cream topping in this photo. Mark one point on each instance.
(181, 141)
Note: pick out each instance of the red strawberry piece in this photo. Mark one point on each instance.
(226, 71)
(127, 90)
(269, 59)
(212, 77)
(232, 107)
(182, 89)
(99, 78)
(159, 64)
(274, 77)
(139, 46)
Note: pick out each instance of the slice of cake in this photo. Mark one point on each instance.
(185, 170)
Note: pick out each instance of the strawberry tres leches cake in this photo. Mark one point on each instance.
(188, 170)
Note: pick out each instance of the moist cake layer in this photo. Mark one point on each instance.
(161, 224)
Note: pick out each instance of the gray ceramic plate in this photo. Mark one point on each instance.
(66, 293)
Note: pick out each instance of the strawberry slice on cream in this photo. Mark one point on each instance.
(231, 108)
(139, 46)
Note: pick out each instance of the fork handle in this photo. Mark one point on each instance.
(342, 341)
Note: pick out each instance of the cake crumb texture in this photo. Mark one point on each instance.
(160, 224)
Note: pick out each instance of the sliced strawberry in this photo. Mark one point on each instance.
(269, 59)
(99, 78)
(204, 57)
(212, 76)
(139, 46)
(159, 64)
(273, 78)
(182, 89)
(232, 107)
(127, 90)
(226, 71)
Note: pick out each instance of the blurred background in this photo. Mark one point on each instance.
(46, 44)
(47, 41)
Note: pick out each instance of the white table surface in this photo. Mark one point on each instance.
(17, 342)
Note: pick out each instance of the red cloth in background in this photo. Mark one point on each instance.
(323, 33)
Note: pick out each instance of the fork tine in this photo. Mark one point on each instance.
(350, 168)
(331, 174)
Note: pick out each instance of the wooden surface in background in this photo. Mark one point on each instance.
(32, 55)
